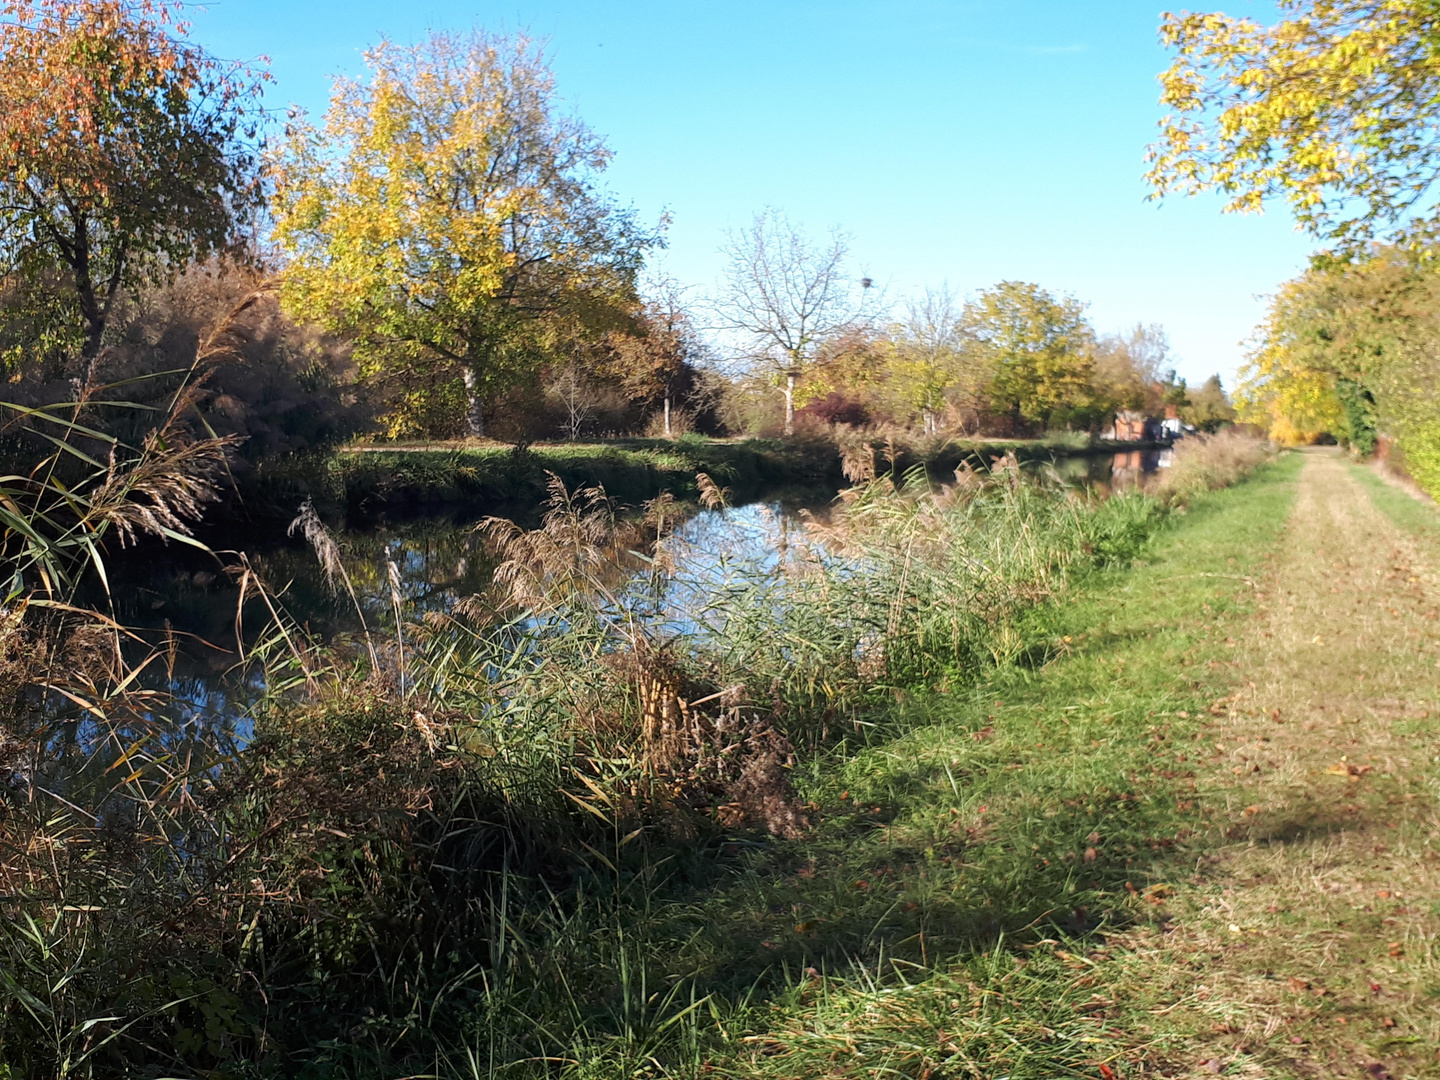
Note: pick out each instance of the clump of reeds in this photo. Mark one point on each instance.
(1208, 462)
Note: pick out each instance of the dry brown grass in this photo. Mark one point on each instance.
(1207, 463)
(1308, 933)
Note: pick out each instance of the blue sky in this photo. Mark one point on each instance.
(955, 142)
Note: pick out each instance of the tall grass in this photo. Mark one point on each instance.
(1208, 462)
(485, 843)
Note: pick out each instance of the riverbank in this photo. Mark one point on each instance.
(363, 482)
(869, 824)
(1199, 843)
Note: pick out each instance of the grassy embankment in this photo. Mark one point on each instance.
(365, 480)
(564, 888)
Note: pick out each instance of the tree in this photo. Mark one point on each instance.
(1130, 368)
(124, 157)
(657, 362)
(784, 297)
(1209, 407)
(1036, 348)
(1351, 348)
(1333, 109)
(928, 361)
(447, 216)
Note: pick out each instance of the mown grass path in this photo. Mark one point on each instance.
(1304, 943)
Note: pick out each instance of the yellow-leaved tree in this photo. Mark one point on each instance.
(1332, 109)
(446, 217)
(1037, 351)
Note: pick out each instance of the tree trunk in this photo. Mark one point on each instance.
(667, 416)
(475, 411)
(929, 415)
(790, 403)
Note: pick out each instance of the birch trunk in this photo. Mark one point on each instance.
(475, 411)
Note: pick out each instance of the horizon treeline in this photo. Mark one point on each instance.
(436, 257)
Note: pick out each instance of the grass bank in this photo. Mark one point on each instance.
(870, 824)
(361, 482)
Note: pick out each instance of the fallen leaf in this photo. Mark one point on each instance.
(1396, 949)
(1387, 1022)
(1251, 811)
(1108, 1073)
(1214, 1065)
(1298, 984)
(983, 734)
(1091, 854)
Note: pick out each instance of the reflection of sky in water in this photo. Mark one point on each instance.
(718, 555)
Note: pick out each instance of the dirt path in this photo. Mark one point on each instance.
(1305, 943)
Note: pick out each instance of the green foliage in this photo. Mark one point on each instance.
(1350, 348)
(1037, 351)
(1421, 445)
(1358, 404)
(1208, 408)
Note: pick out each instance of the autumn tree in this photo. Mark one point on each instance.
(783, 297)
(928, 362)
(1334, 109)
(446, 215)
(1036, 349)
(657, 360)
(1353, 349)
(1130, 368)
(125, 156)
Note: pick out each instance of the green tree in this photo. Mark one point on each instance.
(124, 157)
(446, 215)
(927, 363)
(1037, 349)
(1209, 408)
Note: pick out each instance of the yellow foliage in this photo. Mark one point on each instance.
(443, 215)
(1327, 109)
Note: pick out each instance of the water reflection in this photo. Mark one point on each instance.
(189, 603)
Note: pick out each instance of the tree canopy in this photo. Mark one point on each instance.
(446, 215)
(123, 159)
(1333, 109)
(1037, 347)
